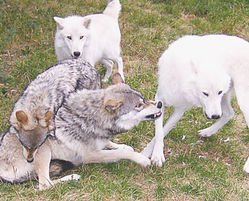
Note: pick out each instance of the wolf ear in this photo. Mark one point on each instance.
(48, 116)
(117, 79)
(22, 117)
(112, 105)
(59, 22)
(86, 23)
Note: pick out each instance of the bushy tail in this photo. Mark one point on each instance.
(113, 8)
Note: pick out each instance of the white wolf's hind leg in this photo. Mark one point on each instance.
(120, 67)
(108, 64)
(227, 114)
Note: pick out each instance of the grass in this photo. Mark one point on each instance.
(194, 169)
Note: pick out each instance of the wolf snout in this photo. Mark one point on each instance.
(30, 160)
(214, 116)
(76, 54)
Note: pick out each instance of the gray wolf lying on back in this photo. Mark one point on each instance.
(85, 124)
(95, 38)
(33, 114)
(201, 71)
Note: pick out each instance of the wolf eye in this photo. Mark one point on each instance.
(69, 37)
(139, 106)
(220, 92)
(206, 94)
(81, 37)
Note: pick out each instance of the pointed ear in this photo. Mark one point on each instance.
(60, 22)
(117, 79)
(22, 117)
(48, 116)
(112, 105)
(87, 23)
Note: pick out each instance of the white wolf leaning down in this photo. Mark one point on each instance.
(202, 71)
(96, 38)
(85, 123)
(33, 113)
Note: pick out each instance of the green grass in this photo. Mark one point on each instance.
(194, 170)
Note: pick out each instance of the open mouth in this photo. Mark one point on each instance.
(153, 116)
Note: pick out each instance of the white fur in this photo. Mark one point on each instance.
(96, 38)
(215, 65)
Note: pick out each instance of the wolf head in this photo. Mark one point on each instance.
(211, 87)
(128, 105)
(72, 31)
(32, 131)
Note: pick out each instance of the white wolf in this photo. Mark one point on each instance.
(96, 38)
(201, 71)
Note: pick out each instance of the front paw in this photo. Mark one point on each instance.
(144, 161)
(157, 157)
(45, 185)
(125, 147)
(206, 132)
(70, 177)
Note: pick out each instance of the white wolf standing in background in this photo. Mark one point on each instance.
(96, 38)
(201, 71)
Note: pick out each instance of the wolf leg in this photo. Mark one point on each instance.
(108, 64)
(227, 114)
(147, 151)
(71, 177)
(112, 145)
(154, 149)
(243, 100)
(106, 156)
(242, 95)
(120, 67)
(157, 156)
(246, 166)
(41, 164)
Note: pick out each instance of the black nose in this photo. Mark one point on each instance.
(215, 116)
(159, 105)
(30, 160)
(76, 54)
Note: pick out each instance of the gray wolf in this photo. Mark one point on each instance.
(84, 126)
(32, 117)
(201, 71)
(96, 38)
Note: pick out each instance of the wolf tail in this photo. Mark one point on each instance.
(113, 8)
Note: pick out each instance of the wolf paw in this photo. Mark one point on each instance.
(45, 186)
(157, 157)
(144, 161)
(125, 147)
(207, 132)
(70, 177)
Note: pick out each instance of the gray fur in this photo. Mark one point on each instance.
(47, 93)
(85, 123)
